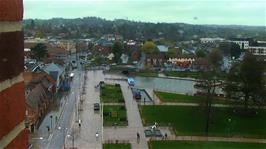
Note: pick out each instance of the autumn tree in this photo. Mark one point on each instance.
(149, 47)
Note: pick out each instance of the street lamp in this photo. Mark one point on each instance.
(51, 116)
(229, 123)
(73, 139)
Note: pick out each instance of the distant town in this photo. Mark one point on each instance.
(91, 83)
(118, 82)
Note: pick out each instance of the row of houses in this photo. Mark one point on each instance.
(44, 79)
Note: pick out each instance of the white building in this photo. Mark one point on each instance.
(259, 51)
(242, 42)
(211, 40)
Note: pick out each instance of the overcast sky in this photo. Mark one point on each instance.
(237, 12)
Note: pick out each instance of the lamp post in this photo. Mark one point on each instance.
(73, 139)
(51, 116)
(229, 123)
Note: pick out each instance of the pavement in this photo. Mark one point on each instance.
(129, 133)
(91, 122)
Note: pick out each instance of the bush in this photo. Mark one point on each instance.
(122, 108)
(122, 119)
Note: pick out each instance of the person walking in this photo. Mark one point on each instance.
(138, 137)
(97, 136)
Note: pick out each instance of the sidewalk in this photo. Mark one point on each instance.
(91, 121)
(222, 139)
(129, 133)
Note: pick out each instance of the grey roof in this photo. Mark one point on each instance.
(162, 48)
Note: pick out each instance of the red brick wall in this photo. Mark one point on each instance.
(12, 99)
(19, 142)
(12, 107)
(12, 54)
(11, 10)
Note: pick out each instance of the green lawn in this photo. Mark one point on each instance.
(174, 97)
(183, 74)
(116, 146)
(203, 145)
(114, 114)
(146, 74)
(189, 74)
(191, 121)
(111, 94)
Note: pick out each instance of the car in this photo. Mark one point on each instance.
(96, 106)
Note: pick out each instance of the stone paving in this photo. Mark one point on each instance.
(85, 136)
(135, 126)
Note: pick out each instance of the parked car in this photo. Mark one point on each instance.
(96, 106)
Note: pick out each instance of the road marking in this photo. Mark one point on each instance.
(49, 141)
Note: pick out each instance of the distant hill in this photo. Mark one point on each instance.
(93, 27)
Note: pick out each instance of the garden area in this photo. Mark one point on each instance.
(111, 93)
(187, 120)
(203, 145)
(114, 115)
(116, 146)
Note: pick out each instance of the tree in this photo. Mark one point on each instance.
(171, 53)
(117, 50)
(245, 81)
(216, 59)
(230, 49)
(149, 47)
(235, 50)
(201, 53)
(39, 51)
(209, 80)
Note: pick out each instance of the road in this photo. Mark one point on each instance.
(56, 137)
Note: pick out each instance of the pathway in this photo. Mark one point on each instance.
(134, 123)
(222, 139)
(85, 136)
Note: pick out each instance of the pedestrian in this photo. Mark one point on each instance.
(165, 136)
(138, 137)
(97, 135)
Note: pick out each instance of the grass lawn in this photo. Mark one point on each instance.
(174, 97)
(116, 146)
(189, 74)
(111, 94)
(191, 121)
(183, 74)
(145, 73)
(203, 145)
(114, 114)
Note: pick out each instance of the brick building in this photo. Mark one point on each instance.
(13, 134)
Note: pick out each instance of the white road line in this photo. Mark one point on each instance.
(49, 141)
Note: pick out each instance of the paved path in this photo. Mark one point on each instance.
(134, 123)
(222, 139)
(85, 137)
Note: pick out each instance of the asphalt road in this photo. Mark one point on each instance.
(55, 139)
